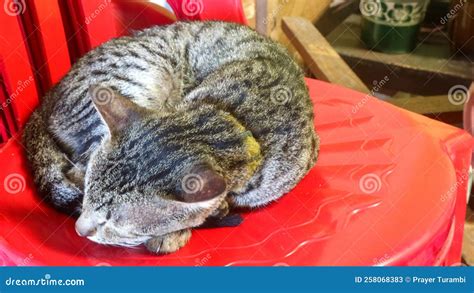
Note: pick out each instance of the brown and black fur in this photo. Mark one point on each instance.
(137, 115)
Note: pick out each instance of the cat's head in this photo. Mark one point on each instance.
(144, 180)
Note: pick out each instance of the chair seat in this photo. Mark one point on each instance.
(389, 188)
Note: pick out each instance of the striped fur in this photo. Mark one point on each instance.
(209, 94)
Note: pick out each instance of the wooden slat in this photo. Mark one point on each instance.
(322, 60)
(250, 9)
(269, 14)
(426, 105)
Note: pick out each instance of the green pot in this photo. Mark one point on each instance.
(392, 26)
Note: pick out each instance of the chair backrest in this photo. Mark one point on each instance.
(97, 21)
(43, 28)
(41, 39)
(18, 91)
(93, 22)
(225, 10)
(7, 125)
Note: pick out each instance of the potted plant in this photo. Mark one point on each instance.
(392, 26)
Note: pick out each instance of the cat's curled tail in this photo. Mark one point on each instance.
(50, 164)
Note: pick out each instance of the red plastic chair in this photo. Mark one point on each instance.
(227, 10)
(6, 117)
(93, 22)
(17, 77)
(389, 189)
(43, 30)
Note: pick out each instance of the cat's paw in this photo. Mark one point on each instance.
(66, 197)
(170, 242)
(221, 211)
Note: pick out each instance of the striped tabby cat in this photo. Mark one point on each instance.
(149, 135)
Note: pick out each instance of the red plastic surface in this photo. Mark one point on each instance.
(226, 10)
(388, 189)
(46, 40)
(15, 67)
(6, 117)
(93, 22)
(7, 121)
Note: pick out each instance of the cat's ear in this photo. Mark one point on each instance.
(200, 183)
(117, 111)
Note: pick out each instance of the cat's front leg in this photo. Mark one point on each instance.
(170, 242)
(221, 211)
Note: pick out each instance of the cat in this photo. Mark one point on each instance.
(149, 135)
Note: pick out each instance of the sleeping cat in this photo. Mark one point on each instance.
(149, 135)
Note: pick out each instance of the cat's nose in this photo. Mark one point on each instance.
(85, 227)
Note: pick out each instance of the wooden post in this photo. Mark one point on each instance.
(269, 15)
(322, 60)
